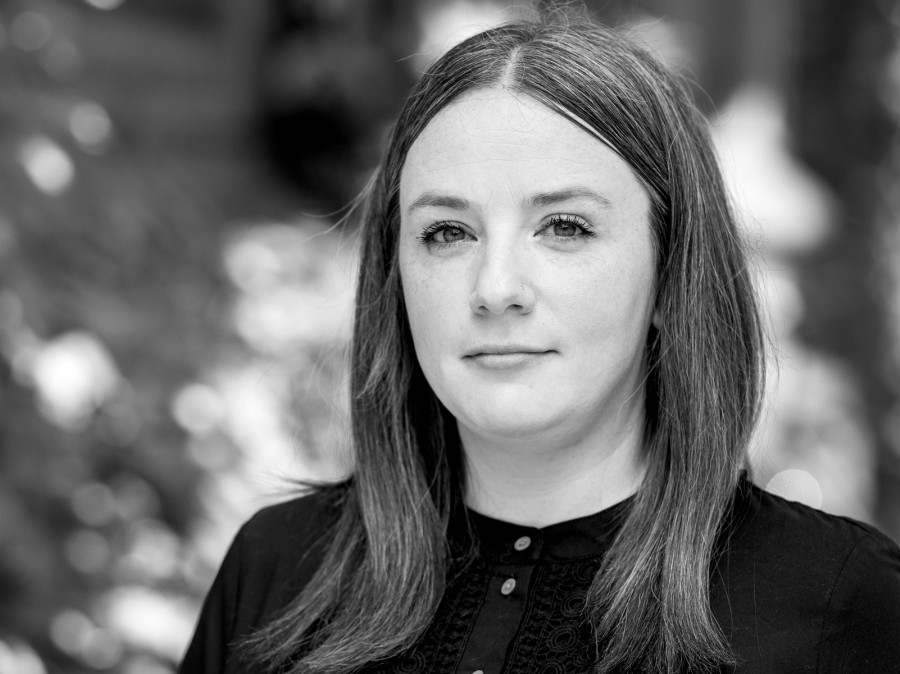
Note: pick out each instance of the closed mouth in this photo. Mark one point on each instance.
(504, 351)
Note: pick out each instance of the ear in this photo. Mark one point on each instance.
(656, 319)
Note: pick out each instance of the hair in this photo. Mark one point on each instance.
(384, 571)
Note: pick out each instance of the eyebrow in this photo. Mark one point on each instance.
(552, 198)
(439, 200)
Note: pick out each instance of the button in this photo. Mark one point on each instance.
(508, 586)
(522, 543)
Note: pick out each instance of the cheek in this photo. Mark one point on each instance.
(607, 299)
(429, 300)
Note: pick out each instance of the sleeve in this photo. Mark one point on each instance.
(209, 647)
(862, 622)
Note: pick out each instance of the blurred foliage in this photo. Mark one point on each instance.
(152, 332)
(111, 298)
(847, 64)
(173, 321)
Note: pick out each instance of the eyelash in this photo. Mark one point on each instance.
(567, 219)
(586, 231)
(428, 234)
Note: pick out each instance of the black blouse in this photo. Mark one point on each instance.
(796, 590)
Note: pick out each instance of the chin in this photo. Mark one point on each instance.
(516, 422)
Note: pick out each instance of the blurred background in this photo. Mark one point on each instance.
(175, 285)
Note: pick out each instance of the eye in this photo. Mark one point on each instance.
(566, 227)
(444, 234)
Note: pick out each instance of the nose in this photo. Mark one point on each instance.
(501, 283)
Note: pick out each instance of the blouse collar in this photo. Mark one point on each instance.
(581, 538)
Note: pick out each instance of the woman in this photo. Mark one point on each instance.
(555, 374)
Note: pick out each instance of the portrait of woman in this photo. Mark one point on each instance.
(556, 370)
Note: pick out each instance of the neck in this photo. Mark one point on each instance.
(539, 483)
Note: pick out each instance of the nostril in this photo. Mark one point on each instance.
(519, 298)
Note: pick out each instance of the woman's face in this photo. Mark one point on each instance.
(527, 266)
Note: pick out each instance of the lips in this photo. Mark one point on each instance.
(506, 357)
(504, 350)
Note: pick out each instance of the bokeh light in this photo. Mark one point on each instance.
(198, 408)
(90, 126)
(30, 31)
(70, 629)
(781, 205)
(105, 4)
(49, 166)
(102, 649)
(795, 484)
(151, 551)
(75, 633)
(73, 374)
(62, 59)
(135, 498)
(149, 620)
(296, 286)
(16, 657)
(94, 504)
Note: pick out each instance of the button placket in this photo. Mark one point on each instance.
(511, 566)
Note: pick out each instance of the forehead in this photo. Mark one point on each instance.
(496, 139)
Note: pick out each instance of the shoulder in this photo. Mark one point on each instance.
(778, 529)
(300, 520)
(287, 539)
(798, 587)
(273, 556)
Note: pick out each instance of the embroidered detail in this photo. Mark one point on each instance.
(553, 635)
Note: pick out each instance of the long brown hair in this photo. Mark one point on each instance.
(384, 571)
